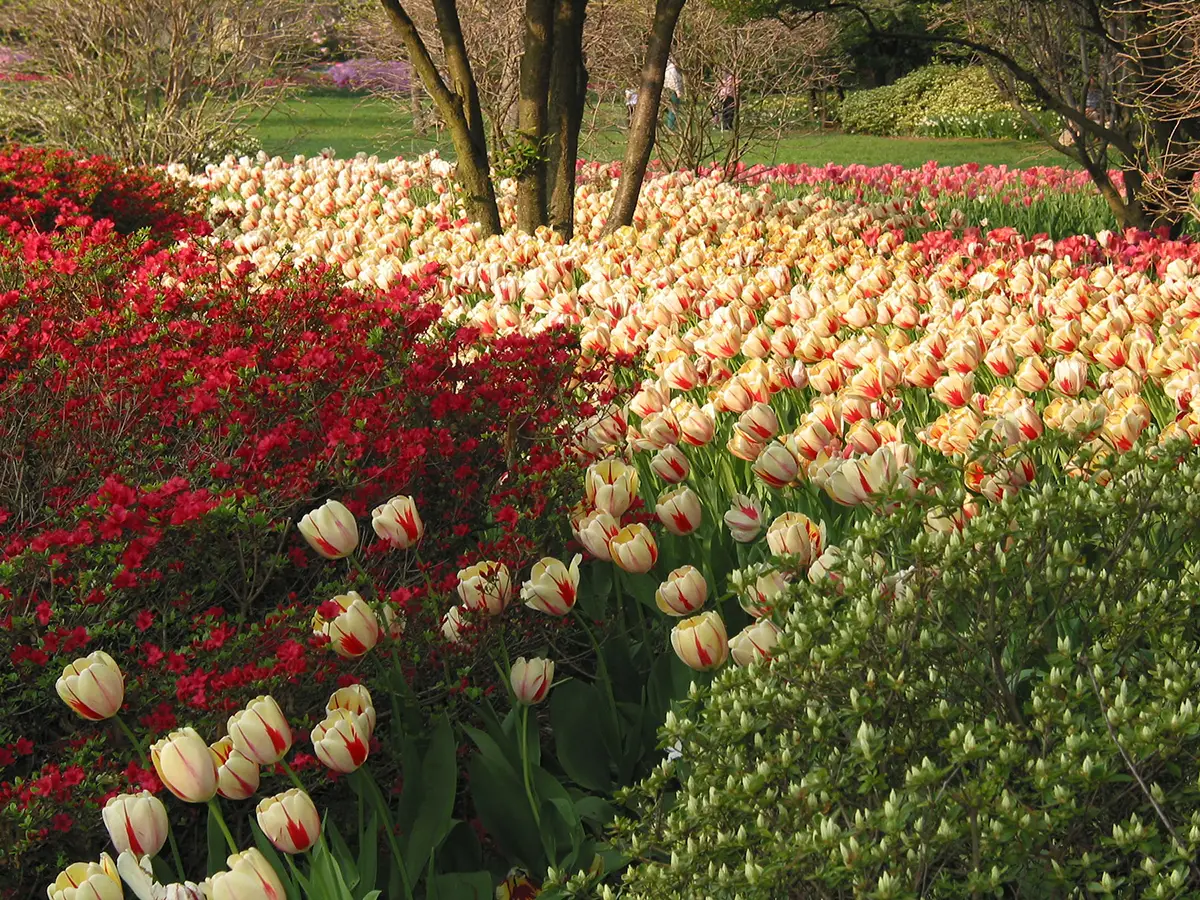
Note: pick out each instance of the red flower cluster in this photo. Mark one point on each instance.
(164, 423)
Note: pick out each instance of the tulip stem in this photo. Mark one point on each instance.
(147, 765)
(214, 810)
(523, 742)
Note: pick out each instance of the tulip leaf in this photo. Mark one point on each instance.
(579, 741)
(594, 599)
(342, 856)
(439, 784)
(461, 886)
(218, 850)
(503, 808)
(368, 854)
(268, 850)
(596, 811)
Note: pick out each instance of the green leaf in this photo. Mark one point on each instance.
(368, 855)
(579, 742)
(439, 784)
(462, 886)
(342, 856)
(218, 850)
(500, 801)
(596, 811)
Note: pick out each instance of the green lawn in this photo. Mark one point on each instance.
(308, 123)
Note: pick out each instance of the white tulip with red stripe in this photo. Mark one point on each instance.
(136, 823)
(552, 587)
(93, 686)
(261, 731)
(185, 765)
(330, 529)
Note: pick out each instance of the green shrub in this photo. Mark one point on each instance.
(936, 101)
(1009, 711)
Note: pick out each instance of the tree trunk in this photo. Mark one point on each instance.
(531, 113)
(645, 116)
(457, 104)
(568, 96)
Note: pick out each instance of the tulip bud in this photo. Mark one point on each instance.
(633, 548)
(684, 592)
(136, 823)
(1032, 375)
(754, 642)
(796, 535)
(398, 522)
(701, 641)
(697, 426)
(531, 679)
(670, 465)
(744, 519)
(758, 597)
(354, 698)
(185, 765)
(250, 877)
(594, 531)
(759, 423)
(552, 587)
(87, 881)
(93, 686)
(452, 624)
(261, 732)
(485, 586)
(776, 466)
(331, 530)
(237, 774)
(611, 486)
(679, 510)
(354, 630)
(342, 740)
(1070, 375)
(289, 820)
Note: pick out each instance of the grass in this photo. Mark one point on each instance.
(309, 122)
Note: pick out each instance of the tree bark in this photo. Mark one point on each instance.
(645, 116)
(568, 96)
(531, 113)
(457, 103)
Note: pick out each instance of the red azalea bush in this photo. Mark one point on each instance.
(162, 427)
(44, 189)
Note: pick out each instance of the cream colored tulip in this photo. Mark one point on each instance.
(700, 642)
(754, 643)
(136, 823)
(354, 630)
(684, 592)
(485, 586)
(398, 522)
(261, 731)
(185, 766)
(531, 679)
(679, 510)
(634, 549)
(238, 776)
(289, 820)
(331, 530)
(611, 486)
(87, 881)
(93, 686)
(552, 587)
(249, 877)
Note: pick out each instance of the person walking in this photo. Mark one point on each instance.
(673, 91)
(727, 101)
(631, 101)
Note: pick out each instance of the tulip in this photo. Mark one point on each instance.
(743, 448)
(776, 466)
(531, 679)
(485, 586)
(398, 522)
(136, 823)
(679, 510)
(354, 630)
(661, 429)
(289, 820)
(697, 426)
(684, 592)
(88, 881)
(237, 774)
(250, 877)
(452, 624)
(1032, 375)
(796, 535)
(93, 686)
(611, 486)
(552, 587)
(261, 732)
(759, 423)
(670, 465)
(139, 875)
(700, 642)
(185, 765)
(595, 531)
(331, 530)
(744, 518)
(354, 698)
(1070, 375)
(754, 642)
(758, 598)
(633, 548)
(342, 740)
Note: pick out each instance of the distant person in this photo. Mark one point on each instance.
(631, 99)
(727, 102)
(1093, 104)
(673, 92)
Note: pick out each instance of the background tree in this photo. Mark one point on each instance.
(1144, 112)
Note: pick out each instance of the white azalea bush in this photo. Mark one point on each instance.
(997, 709)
